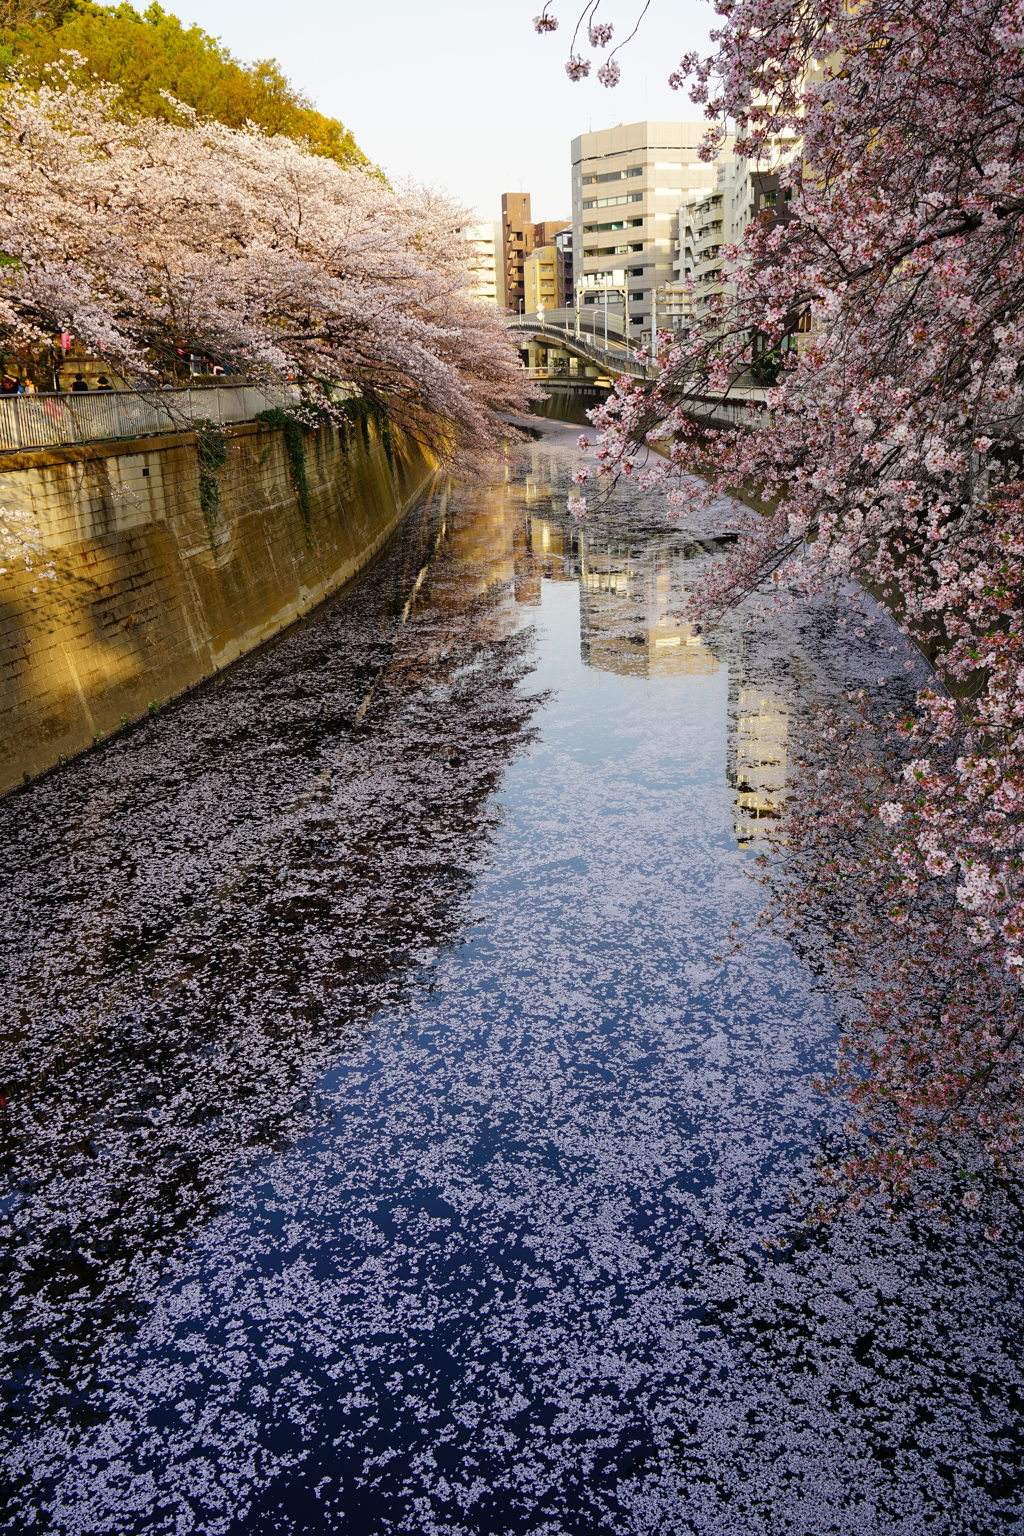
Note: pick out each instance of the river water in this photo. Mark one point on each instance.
(393, 1131)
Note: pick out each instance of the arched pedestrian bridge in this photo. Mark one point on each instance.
(566, 349)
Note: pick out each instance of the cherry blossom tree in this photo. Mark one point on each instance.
(891, 296)
(146, 239)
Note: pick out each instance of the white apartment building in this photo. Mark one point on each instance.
(711, 220)
(628, 184)
(706, 224)
(484, 259)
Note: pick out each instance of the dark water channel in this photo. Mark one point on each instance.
(392, 1133)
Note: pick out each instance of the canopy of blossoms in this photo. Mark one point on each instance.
(142, 238)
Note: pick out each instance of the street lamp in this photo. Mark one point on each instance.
(624, 290)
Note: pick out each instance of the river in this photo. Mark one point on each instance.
(395, 1138)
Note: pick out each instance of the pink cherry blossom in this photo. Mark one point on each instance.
(148, 239)
(887, 280)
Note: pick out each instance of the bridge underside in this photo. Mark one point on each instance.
(562, 359)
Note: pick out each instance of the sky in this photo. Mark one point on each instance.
(462, 95)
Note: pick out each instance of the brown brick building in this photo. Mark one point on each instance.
(519, 236)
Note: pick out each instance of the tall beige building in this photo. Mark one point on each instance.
(627, 186)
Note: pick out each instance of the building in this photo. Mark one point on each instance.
(627, 186)
(516, 245)
(563, 245)
(712, 221)
(705, 227)
(484, 259)
(541, 287)
(757, 758)
(520, 236)
(632, 598)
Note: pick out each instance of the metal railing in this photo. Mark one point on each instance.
(588, 320)
(50, 421)
(562, 376)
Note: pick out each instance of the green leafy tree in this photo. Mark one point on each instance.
(151, 53)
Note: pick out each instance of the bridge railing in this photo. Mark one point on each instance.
(56, 420)
(565, 323)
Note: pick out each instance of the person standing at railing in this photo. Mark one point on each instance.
(78, 384)
(103, 384)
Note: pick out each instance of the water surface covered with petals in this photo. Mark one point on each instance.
(393, 1130)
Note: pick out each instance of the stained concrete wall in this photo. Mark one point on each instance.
(150, 594)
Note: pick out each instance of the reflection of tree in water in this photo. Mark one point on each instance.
(232, 892)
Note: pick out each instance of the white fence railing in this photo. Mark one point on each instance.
(49, 421)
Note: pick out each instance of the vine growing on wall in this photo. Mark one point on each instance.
(212, 452)
(357, 414)
(295, 446)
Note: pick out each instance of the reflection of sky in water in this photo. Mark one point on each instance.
(490, 1263)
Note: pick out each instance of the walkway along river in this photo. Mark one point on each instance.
(391, 1134)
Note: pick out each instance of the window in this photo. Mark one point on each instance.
(612, 250)
(637, 296)
(596, 229)
(634, 170)
(614, 202)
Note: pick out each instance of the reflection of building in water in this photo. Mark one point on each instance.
(555, 549)
(757, 757)
(541, 478)
(489, 537)
(633, 596)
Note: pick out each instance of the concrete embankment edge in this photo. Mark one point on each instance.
(157, 585)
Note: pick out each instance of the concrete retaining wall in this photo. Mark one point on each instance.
(152, 594)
